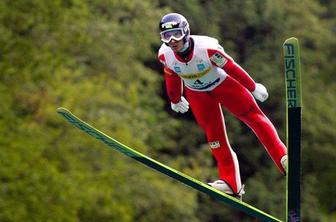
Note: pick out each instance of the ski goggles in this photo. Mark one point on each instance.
(176, 34)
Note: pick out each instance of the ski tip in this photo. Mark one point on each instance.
(291, 39)
(62, 110)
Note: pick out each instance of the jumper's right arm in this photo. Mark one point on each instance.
(173, 82)
(174, 87)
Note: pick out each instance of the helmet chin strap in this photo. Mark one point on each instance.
(185, 47)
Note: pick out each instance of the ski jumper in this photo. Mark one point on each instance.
(210, 80)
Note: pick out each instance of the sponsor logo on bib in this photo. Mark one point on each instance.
(219, 59)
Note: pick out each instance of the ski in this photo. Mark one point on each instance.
(291, 52)
(179, 176)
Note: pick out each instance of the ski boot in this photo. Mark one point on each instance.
(221, 185)
(283, 162)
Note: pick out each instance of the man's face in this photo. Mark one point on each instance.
(176, 45)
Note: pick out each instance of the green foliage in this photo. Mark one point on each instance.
(98, 58)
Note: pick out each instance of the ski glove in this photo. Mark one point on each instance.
(260, 92)
(181, 106)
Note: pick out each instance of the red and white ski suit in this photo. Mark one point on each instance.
(211, 79)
